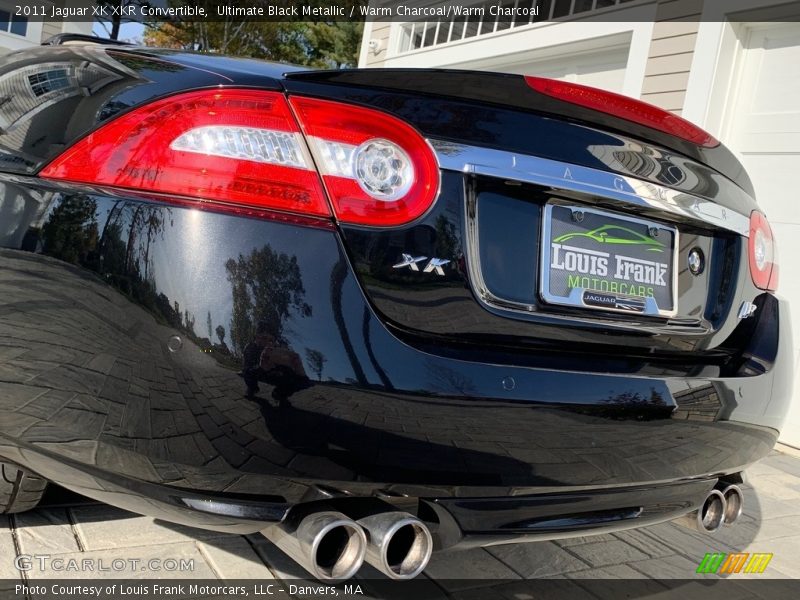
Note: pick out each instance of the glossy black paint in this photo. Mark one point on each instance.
(509, 226)
(108, 81)
(538, 516)
(102, 285)
(125, 320)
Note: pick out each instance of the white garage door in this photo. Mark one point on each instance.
(763, 126)
(602, 69)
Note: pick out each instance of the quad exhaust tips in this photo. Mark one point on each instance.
(332, 546)
(327, 544)
(400, 545)
(721, 507)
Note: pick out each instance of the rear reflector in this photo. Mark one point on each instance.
(623, 107)
(763, 253)
(246, 147)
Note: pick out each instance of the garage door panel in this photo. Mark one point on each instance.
(767, 113)
(763, 126)
(791, 429)
(603, 68)
(775, 55)
(608, 75)
(774, 178)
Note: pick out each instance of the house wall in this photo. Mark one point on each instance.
(39, 31)
(671, 53)
(49, 29)
(379, 33)
(668, 61)
(10, 41)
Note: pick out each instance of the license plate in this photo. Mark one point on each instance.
(605, 261)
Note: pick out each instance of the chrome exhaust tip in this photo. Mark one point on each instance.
(327, 544)
(734, 504)
(400, 545)
(710, 516)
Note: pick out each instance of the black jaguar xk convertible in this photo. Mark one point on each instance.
(373, 314)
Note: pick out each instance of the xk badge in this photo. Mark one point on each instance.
(434, 264)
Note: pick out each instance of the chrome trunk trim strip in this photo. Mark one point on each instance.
(577, 178)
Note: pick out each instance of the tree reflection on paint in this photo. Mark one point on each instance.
(266, 287)
(70, 233)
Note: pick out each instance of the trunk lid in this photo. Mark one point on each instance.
(516, 165)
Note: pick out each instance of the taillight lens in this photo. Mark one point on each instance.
(377, 169)
(763, 254)
(245, 147)
(236, 146)
(623, 107)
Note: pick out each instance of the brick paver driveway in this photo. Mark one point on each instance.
(71, 527)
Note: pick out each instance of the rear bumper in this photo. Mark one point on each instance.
(99, 396)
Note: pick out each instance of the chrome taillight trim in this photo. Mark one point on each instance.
(576, 178)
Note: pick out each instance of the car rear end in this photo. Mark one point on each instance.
(506, 308)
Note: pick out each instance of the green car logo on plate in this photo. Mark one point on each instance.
(614, 234)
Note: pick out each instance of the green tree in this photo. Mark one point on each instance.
(315, 44)
(333, 45)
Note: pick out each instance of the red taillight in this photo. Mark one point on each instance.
(762, 252)
(624, 108)
(377, 169)
(236, 146)
(245, 147)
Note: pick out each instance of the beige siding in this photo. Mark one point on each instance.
(670, 82)
(672, 46)
(680, 62)
(671, 101)
(671, 53)
(670, 10)
(380, 33)
(49, 29)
